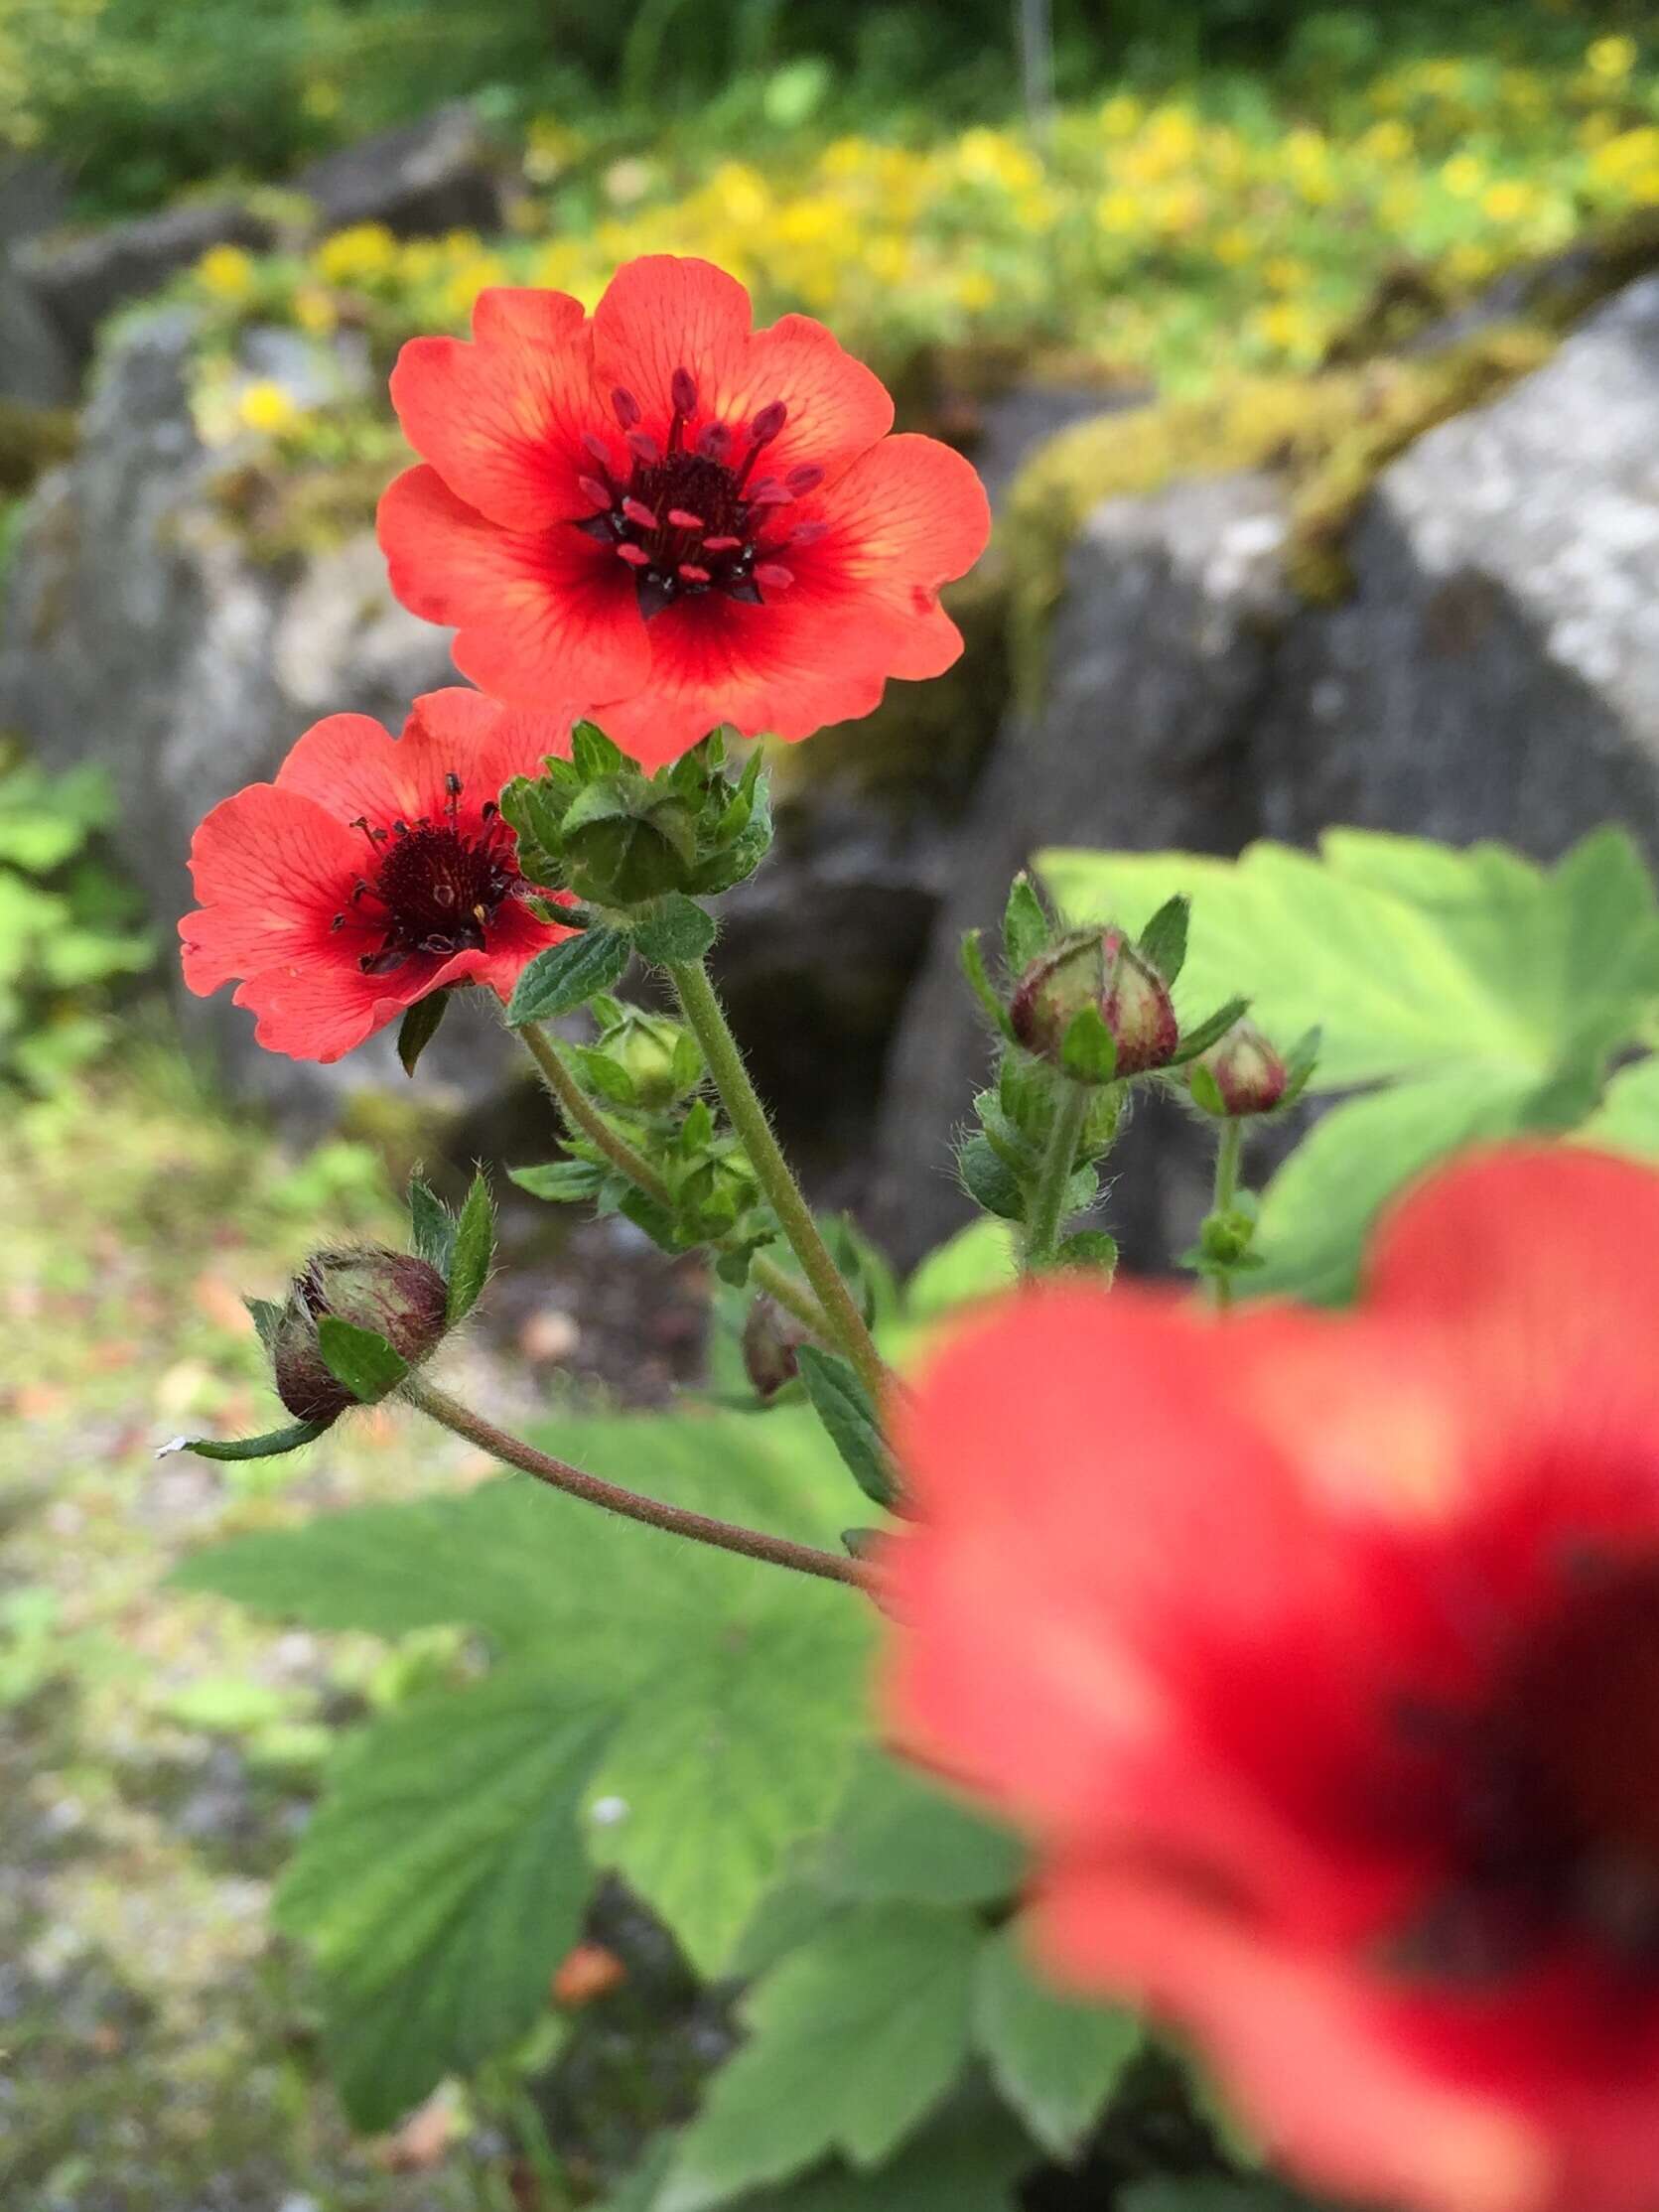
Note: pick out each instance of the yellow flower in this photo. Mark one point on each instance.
(1120, 116)
(1119, 213)
(1388, 141)
(315, 311)
(1509, 201)
(1233, 246)
(975, 290)
(1462, 176)
(1290, 329)
(367, 249)
(226, 272)
(1284, 273)
(1471, 264)
(267, 408)
(1611, 59)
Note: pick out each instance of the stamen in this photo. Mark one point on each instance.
(591, 489)
(683, 520)
(769, 492)
(768, 422)
(807, 533)
(682, 390)
(644, 447)
(723, 544)
(692, 573)
(714, 441)
(599, 448)
(637, 512)
(627, 407)
(774, 576)
(634, 555)
(805, 479)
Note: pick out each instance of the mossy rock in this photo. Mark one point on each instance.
(1329, 435)
(31, 438)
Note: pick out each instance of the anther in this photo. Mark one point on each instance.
(640, 514)
(626, 406)
(714, 441)
(808, 533)
(723, 544)
(769, 492)
(692, 573)
(682, 390)
(598, 448)
(634, 555)
(644, 447)
(807, 478)
(591, 489)
(683, 520)
(768, 422)
(774, 576)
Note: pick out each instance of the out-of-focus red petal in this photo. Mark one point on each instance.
(539, 614)
(502, 419)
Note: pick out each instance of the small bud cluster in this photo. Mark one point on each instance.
(597, 826)
(639, 1063)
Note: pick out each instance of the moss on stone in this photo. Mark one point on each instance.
(31, 438)
(1329, 436)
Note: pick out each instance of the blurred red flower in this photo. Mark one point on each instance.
(371, 873)
(1319, 1654)
(677, 519)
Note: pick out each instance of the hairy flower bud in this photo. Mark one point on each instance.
(1099, 969)
(660, 1056)
(770, 1337)
(1245, 1074)
(394, 1294)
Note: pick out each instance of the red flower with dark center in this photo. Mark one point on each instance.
(1319, 1654)
(374, 871)
(677, 519)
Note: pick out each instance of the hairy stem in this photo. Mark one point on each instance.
(580, 1113)
(1047, 1209)
(674, 1520)
(1228, 1153)
(703, 1010)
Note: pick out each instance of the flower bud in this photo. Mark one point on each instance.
(1246, 1075)
(624, 843)
(660, 1056)
(1097, 968)
(771, 1337)
(394, 1294)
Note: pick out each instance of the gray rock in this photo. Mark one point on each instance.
(77, 280)
(1496, 674)
(138, 632)
(424, 178)
(36, 365)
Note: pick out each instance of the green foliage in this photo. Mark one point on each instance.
(473, 1251)
(1462, 994)
(854, 2039)
(359, 1359)
(1055, 2060)
(896, 1840)
(567, 975)
(69, 935)
(842, 1404)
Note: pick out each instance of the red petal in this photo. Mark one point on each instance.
(271, 868)
(907, 516)
(662, 312)
(355, 769)
(502, 419)
(837, 408)
(545, 614)
(488, 743)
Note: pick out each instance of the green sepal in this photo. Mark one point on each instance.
(533, 811)
(1210, 1031)
(608, 1077)
(1207, 1091)
(1026, 927)
(1094, 1249)
(1163, 941)
(567, 975)
(431, 1226)
(359, 1359)
(475, 1248)
(1088, 1051)
(267, 1319)
(592, 753)
(673, 932)
(271, 1445)
(842, 1405)
(973, 967)
(419, 1027)
(1300, 1063)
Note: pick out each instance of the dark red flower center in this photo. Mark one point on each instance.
(698, 514)
(433, 890)
(1553, 1791)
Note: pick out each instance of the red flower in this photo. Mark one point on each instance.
(372, 872)
(1321, 1656)
(671, 516)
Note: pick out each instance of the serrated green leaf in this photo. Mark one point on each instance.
(431, 1226)
(853, 2039)
(673, 929)
(1164, 939)
(1055, 2060)
(440, 1882)
(897, 1838)
(842, 1405)
(592, 754)
(1026, 929)
(475, 1248)
(989, 1180)
(419, 1027)
(359, 1361)
(1089, 1248)
(561, 1181)
(271, 1445)
(567, 975)
(1088, 1051)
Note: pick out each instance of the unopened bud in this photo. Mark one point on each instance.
(770, 1337)
(660, 1056)
(1245, 1074)
(1102, 970)
(394, 1294)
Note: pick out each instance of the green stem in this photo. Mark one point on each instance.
(1046, 1216)
(674, 1520)
(703, 1010)
(1228, 1153)
(581, 1112)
